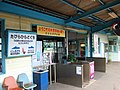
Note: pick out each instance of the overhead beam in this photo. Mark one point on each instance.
(103, 3)
(109, 9)
(81, 11)
(9, 8)
(106, 25)
(72, 5)
(93, 11)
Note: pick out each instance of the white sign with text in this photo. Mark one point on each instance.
(79, 70)
(21, 43)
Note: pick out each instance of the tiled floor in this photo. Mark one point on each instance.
(103, 81)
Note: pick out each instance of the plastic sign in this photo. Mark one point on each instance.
(92, 70)
(96, 44)
(79, 70)
(21, 43)
(37, 59)
(47, 31)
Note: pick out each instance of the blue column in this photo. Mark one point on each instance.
(3, 36)
(90, 41)
(86, 47)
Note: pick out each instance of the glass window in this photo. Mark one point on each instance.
(115, 48)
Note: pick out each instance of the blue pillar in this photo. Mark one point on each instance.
(3, 36)
(86, 47)
(90, 41)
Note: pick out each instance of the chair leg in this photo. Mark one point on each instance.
(31, 89)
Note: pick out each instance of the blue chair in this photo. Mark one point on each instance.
(24, 82)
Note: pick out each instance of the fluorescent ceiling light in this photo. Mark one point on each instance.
(77, 30)
(113, 15)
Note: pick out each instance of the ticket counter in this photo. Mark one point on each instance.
(76, 74)
(99, 62)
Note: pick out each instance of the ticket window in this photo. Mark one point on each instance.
(57, 49)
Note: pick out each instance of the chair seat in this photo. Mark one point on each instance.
(26, 84)
(17, 88)
(29, 86)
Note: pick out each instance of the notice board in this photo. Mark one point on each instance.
(20, 43)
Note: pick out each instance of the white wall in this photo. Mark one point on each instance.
(103, 38)
(15, 66)
(114, 56)
(102, 50)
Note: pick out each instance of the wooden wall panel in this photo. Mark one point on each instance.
(24, 23)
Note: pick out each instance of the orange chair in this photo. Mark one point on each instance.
(9, 83)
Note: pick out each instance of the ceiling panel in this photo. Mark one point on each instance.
(61, 9)
(103, 15)
(108, 1)
(117, 9)
(85, 4)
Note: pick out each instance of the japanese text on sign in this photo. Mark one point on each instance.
(21, 43)
(41, 30)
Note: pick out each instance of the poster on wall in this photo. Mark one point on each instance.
(21, 43)
(47, 55)
(37, 59)
(96, 44)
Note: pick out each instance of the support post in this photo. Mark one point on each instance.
(90, 41)
(78, 48)
(86, 47)
(66, 43)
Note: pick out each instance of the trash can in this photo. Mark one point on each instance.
(41, 79)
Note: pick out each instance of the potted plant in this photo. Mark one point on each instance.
(72, 58)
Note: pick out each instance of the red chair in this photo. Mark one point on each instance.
(9, 83)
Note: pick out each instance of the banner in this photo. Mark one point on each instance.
(21, 43)
(91, 70)
(37, 59)
(47, 31)
(96, 44)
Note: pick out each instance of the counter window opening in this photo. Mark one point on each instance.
(2, 46)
